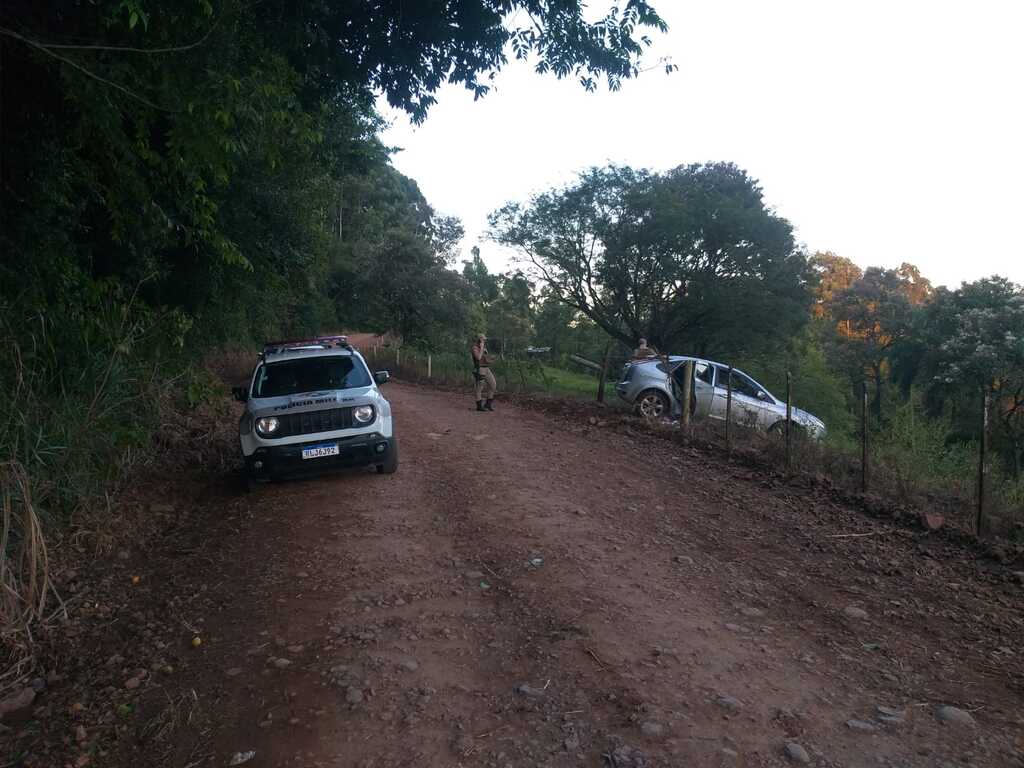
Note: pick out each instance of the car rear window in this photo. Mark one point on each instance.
(310, 374)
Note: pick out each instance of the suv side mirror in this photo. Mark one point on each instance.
(240, 394)
(382, 377)
(762, 395)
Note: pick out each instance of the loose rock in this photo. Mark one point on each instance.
(17, 702)
(860, 725)
(797, 754)
(629, 757)
(853, 612)
(890, 715)
(529, 691)
(353, 695)
(955, 715)
(729, 702)
(652, 730)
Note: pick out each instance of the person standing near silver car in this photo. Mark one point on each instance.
(486, 385)
(644, 352)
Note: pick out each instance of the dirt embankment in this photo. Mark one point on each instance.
(531, 590)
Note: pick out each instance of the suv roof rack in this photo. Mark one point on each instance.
(316, 342)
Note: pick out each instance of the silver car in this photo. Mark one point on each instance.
(654, 387)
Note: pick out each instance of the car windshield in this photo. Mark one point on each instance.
(310, 374)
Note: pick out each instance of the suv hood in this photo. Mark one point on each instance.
(312, 401)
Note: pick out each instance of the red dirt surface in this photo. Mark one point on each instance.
(531, 590)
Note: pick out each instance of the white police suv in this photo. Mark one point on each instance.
(312, 406)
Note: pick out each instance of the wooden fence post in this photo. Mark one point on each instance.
(864, 438)
(604, 372)
(982, 468)
(728, 413)
(789, 422)
(684, 420)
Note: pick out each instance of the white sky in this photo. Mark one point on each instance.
(884, 131)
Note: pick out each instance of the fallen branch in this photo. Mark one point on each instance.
(604, 667)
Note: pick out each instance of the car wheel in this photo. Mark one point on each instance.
(778, 430)
(652, 404)
(390, 465)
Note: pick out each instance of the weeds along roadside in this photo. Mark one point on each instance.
(88, 406)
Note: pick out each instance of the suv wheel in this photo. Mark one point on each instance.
(390, 465)
(652, 404)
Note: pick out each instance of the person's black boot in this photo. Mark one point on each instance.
(480, 405)
(489, 405)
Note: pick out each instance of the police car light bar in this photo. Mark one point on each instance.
(317, 341)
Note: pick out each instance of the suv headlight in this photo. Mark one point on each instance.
(267, 426)
(363, 414)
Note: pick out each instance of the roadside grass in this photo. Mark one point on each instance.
(513, 375)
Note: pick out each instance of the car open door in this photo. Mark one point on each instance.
(702, 391)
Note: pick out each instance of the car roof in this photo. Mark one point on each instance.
(680, 359)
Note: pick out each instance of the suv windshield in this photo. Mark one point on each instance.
(310, 374)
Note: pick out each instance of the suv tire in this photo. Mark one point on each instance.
(390, 465)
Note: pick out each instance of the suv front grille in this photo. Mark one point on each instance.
(311, 422)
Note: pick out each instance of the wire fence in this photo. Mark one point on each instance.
(985, 505)
(520, 373)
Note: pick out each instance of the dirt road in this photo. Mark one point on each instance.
(527, 591)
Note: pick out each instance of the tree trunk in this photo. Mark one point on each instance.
(876, 406)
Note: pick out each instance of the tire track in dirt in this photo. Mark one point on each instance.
(661, 608)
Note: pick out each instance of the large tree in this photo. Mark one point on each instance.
(835, 275)
(971, 342)
(875, 317)
(692, 259)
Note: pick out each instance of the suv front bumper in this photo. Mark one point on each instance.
(281, 461)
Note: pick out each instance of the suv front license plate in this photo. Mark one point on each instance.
(317, 451)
